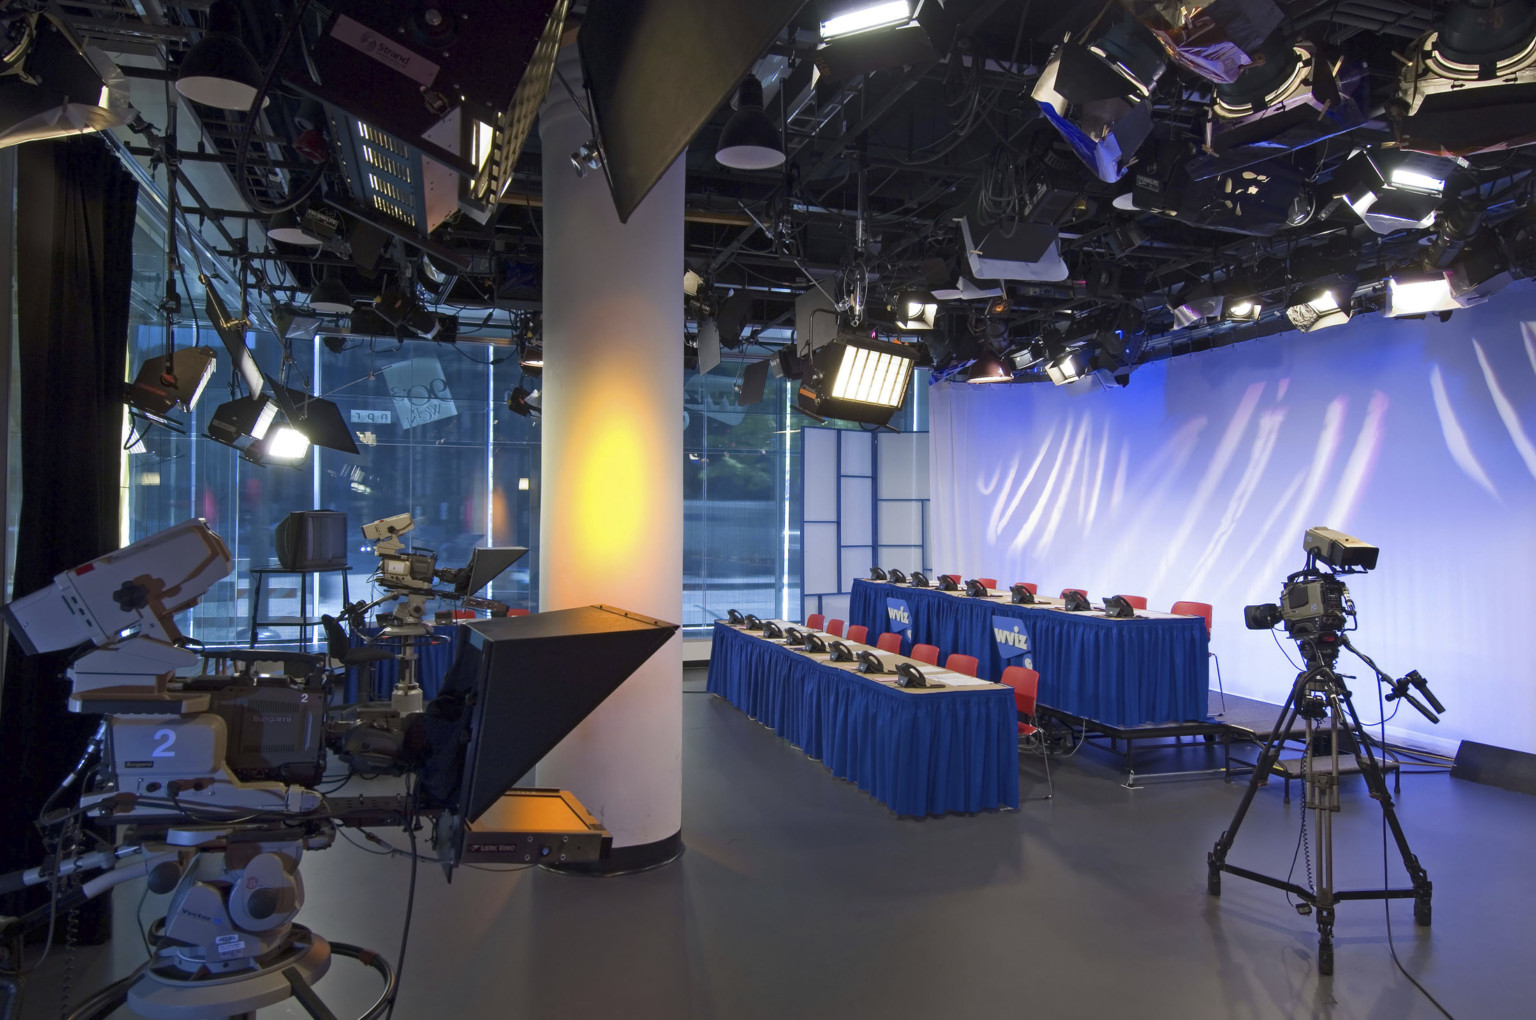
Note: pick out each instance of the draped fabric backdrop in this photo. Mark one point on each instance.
(74, 256)
(1198, 480)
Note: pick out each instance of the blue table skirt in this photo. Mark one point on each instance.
(434, 655)
(1118, 672)
(920, 754)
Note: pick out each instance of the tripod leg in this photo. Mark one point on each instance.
(1376, 782)
(1261, 769)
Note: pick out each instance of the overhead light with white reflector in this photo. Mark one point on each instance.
(916, 310)
(1391, 189)
(1322, 304)
(849, 18)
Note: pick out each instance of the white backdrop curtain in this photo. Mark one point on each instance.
(1198, 480)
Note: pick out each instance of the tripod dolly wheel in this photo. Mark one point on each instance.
(1421, 911)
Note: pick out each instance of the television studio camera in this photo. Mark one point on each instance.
(408, 578)
(206, 778)
(1317, 611)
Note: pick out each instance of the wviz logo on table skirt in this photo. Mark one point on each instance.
(898, 617)
(1012, 640)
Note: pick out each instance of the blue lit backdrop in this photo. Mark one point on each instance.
(1198, 480)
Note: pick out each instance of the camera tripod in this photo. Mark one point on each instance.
(1321, 699)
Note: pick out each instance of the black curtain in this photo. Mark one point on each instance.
(74, 268)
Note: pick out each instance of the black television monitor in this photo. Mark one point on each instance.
(312, 540)
(518, 685)
(648, 104)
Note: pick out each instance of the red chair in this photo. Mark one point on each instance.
(835, 628)
(858, 634)
(815, 621)
(1033, 589)
(990, 583)
(890, 641)
(926, 653)
(1203, 609)
(959, 662)
(518, 612)
(1136, 601)
(1081, 591)
(1026, 693)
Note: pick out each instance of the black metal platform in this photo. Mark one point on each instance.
(1232, 720)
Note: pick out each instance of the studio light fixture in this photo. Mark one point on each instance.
(849, 18)
(1322, 304)
(989, 368)
(1067, 368)
(1099, 96)
(1243, 307)
(1197, 304)
(749, 140)
(285, 227)
(311, 228)
(285, 443)
(54, 86)
(1028, 357)
(218, 70)
(525, 402)
(242, 421)
(163, 384)
(317, 419)
(1392, 189)
(1290, 97)
(1470, 87)
(331, 297)
(1216, 39)
(401, 309)
(854, 378)
(916, 309)
(1419, 292)
(1471, 278)
(530, 356)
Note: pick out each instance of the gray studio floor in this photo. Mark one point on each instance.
(799, 896)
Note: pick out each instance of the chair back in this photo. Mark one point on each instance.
(519, 612)
(890, 641)
(1137, 601)
(816, 621)
(1026, 687)
(336, 643)
(959, 662)
(835, 628)
(926, 653)
(1194, 609)
(859, 634)
(988, 582)
(1081, 591)
(1033, 589)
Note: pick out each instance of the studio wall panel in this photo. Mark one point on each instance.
(821, 557)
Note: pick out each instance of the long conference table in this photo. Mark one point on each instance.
(1151, 669)
(920, 751)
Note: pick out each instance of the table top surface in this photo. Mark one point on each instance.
(1043, 602)
(951, 682)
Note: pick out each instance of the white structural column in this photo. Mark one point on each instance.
(611, 509)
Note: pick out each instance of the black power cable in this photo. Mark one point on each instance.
(1386, 884)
